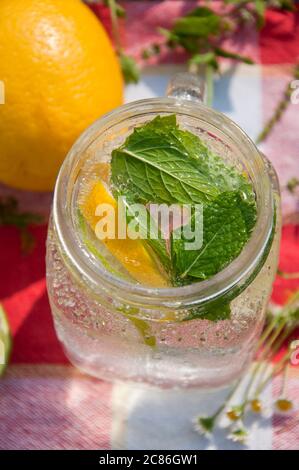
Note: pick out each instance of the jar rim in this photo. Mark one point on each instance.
(193, 294)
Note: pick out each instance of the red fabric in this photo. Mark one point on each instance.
(102, 12)
(279, 39)
(288, 262)
(24, 297)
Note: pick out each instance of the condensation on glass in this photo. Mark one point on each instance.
(119, 330)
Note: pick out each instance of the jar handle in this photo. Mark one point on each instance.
(188, 86)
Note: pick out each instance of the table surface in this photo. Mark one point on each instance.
(44, 402)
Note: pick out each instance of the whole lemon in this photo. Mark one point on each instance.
(60, 73)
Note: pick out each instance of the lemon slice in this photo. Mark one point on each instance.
(5, 341)
(132, 254)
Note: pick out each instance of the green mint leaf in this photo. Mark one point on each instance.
(94, 250)
(142, 326)
(260, 8)
(224, 236)
(215, 311)
(11, 215)
(223, 176)
(288, 5)
(129, 69)
(154, 165)
(161, 163)
(201, 12)
(156, 245)
(201, 23)
(232, 55)
(209, 58)
(119, 10)
(219, 309)
(292, 184)
(198, 27)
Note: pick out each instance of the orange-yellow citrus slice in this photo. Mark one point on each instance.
(132, 254)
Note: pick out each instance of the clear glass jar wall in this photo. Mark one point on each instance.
(116, 330)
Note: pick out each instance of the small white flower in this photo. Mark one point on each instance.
(239, 434)
(235, 413)
(262, 409)
(284, 407)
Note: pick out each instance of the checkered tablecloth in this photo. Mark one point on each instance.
(44, 402)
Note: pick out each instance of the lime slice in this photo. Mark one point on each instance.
(5, 341)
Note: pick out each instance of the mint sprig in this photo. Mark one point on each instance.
(157, 246)
(219, 309)
(154, 165)
(224, 235)
(10, 215)
(160, 163)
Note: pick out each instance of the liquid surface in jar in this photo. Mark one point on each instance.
(165, 210)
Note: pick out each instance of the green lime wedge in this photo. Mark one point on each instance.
(5, 341)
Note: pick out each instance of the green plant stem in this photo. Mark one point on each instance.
(269, 351)
(272, 339)
(264, 337)
(280, 108)
(276, 369)
(260, 367)
(218, 412)
(292, 184)
(284, 382)
(270, 327)
(272, 336)
(263, 366)
(114, 21)
(285, 275)
(209, 74)
(280, 341)
(127, 63)
(267, 331)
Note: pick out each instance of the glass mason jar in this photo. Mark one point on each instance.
(119, 330)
